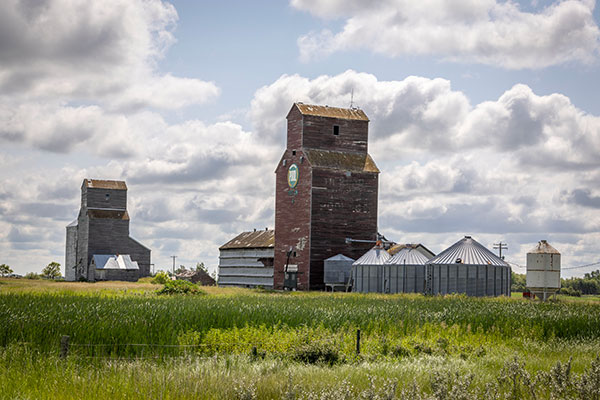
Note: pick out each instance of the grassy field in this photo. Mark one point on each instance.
(127, 342)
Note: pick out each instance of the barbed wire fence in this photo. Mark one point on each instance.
(208, 350)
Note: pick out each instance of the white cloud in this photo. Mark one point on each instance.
(517, 166)
(490, 32)
(509, 167)
(78, 75)
(418, 116)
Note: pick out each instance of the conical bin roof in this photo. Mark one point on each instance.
(376, 256)
(408, 256)
(544, 248)
(339, 257)
(467, 251)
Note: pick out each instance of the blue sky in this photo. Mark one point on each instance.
(484, 117)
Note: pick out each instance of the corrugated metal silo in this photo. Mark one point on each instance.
(337, 271)
(367, 271)
(470, 268)
(405, 271)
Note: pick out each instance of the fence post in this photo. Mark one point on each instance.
(64, 346)
(357, 341)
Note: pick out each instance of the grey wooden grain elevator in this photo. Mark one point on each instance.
(102, 229)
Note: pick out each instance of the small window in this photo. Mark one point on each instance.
(107, 197)
(294, 254)
(336, 130)
(293, 152)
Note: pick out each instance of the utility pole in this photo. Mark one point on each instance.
(500, 246)
(173, 257)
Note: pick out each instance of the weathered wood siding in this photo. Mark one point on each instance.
(317, 133)
(328, 205)
(242, 267)
(292, 219)
(99, 232)
(343, 206)
(71, 253)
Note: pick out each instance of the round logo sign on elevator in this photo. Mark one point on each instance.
(293, 175)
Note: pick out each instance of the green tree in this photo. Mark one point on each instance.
(201, 267)
(518, 282)
(180, 270)
(5, 270)
(51, 271)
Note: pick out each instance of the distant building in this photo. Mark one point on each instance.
(98, 243)
(247, 260)
(325, 193)
(197, 276)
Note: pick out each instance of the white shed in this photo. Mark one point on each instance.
(247, 260)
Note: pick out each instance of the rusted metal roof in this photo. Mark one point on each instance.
(376, 256)
(417, 246)
(543, 247)
(353, 162)
(99, 213)
(104, 184)
(467, 251)
(408, 256)
(332, 112)
(251, 240)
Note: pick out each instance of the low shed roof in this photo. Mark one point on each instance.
(251, 240)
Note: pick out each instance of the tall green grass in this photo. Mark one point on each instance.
(40, 319)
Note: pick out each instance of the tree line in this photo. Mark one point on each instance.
(589, 284)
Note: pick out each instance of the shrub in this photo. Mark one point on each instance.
(161, 278)
(400, 351)
(569, 291)
(32, 275)
(316, 352)
(179, 287)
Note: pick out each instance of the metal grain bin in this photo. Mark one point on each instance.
(338, 270)
(367, 271)
(468, 267)
(543, 270)
(405, 271)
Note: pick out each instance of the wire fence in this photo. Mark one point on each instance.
(136, 351)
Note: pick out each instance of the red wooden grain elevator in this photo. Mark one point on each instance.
(325, 192)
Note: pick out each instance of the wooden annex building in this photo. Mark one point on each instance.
(247, 260)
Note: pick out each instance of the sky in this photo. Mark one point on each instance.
(484, 118)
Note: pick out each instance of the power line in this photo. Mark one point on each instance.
(583, 266)
(500, 246)
(563, 268)
(515, 264)
(173, 257)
